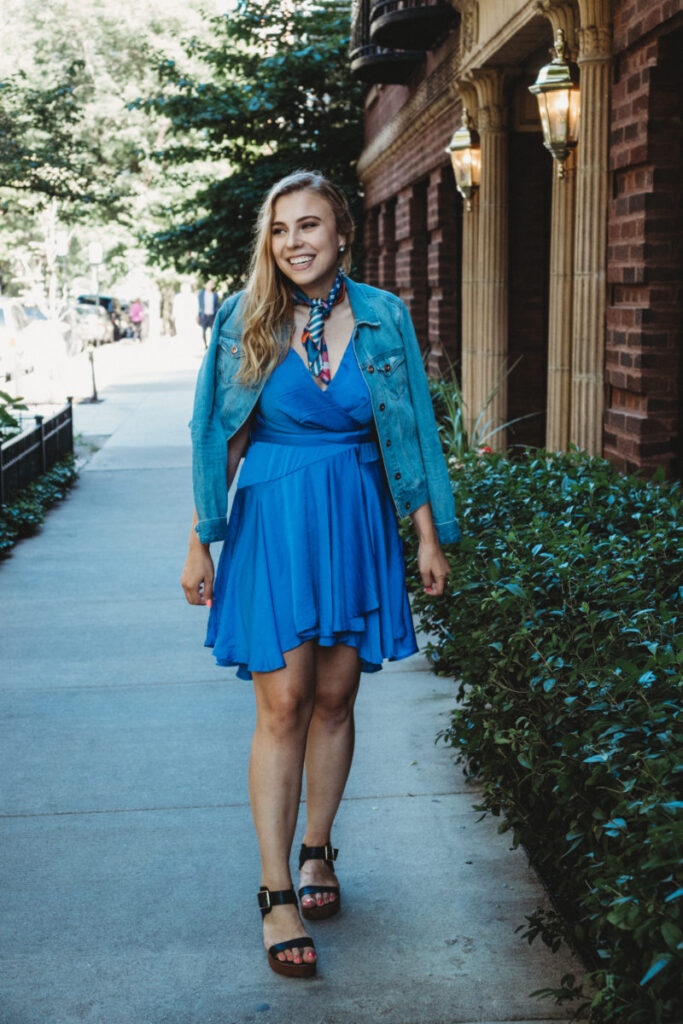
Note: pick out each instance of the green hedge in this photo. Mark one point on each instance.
(26, 513)
(565, 629)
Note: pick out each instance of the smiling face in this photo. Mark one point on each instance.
(305, 242)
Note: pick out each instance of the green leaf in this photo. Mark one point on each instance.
(659, 964)
(672, 934)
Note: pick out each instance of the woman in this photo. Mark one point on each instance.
(310, 586)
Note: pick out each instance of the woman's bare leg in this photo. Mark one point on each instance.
(284, 705)
(329, 750)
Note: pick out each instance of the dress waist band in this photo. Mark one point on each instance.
(331, 437)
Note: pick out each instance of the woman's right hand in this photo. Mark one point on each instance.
(197, 576)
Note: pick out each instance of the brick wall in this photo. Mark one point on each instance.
(414, 161)
(444, 269)
(645, 227)
(411, 254)
(386, 245)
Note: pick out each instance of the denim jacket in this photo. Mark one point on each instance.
(389, 357)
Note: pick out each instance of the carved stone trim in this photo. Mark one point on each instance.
(469, 23)
(489, 83)
(465, 89)
(562, 14)
(595, 30)
(595, 43)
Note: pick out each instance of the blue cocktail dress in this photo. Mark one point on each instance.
(313, 549)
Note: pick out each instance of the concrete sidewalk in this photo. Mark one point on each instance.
(130, 866)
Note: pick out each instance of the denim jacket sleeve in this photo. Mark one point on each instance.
(210, 444)
(436, 470)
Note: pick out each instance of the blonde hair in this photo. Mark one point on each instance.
(268, 306)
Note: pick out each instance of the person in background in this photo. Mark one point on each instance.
(208, 307)
(137, 318)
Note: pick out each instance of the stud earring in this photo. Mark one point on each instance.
(342, 248)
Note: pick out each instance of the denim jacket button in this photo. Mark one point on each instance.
(397, 476)
(382, 406)
(371, 368)
(388, 442)
(407, 504)
(233, 349)
(387, 367)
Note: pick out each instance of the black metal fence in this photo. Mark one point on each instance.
(25, 457)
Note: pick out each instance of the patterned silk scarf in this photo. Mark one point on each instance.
(313, 338)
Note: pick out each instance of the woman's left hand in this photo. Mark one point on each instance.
(433, 567)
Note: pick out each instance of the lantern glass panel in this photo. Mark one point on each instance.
(543, 111)
(462, 167)
(558, 108)
(574, 107)
(476, 166)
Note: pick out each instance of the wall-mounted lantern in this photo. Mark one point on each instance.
(465, 156)
(557, 92)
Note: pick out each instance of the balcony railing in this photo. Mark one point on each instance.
(419, 24)
(372, 63)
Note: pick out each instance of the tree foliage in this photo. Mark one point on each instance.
(69, 140)
(41, 139)
(273, 93)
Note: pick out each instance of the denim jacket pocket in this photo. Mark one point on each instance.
(391, 366)
(228, 356)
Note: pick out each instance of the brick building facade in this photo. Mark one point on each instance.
(567, 290)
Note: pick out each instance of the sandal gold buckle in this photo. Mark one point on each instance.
(264, 899)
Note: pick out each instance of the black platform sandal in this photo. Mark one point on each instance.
(329, 855)
(266, 901)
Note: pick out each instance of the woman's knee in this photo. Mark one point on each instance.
(334, 704)
(284, 710)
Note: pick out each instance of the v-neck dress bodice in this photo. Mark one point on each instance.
(313, 549)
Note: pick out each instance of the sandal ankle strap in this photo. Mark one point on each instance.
(326, 852)
(268, 899)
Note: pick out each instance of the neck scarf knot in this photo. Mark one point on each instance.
(313, 337)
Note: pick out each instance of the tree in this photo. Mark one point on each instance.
(43, 147)
(71, 146)
(273, 93)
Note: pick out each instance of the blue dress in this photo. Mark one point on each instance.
(313, 549)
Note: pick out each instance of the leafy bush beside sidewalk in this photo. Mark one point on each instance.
(565, 627)
(26, 513)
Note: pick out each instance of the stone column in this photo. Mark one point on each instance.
(558, 411)
(469, 332)
(470, 388)
(590, 259)
(491, 285)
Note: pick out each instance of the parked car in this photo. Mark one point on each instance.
(50, 335)
(15, 342)
(78, 334)
(115, 311)
(94, 325)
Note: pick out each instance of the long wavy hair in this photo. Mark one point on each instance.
(268, 304)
